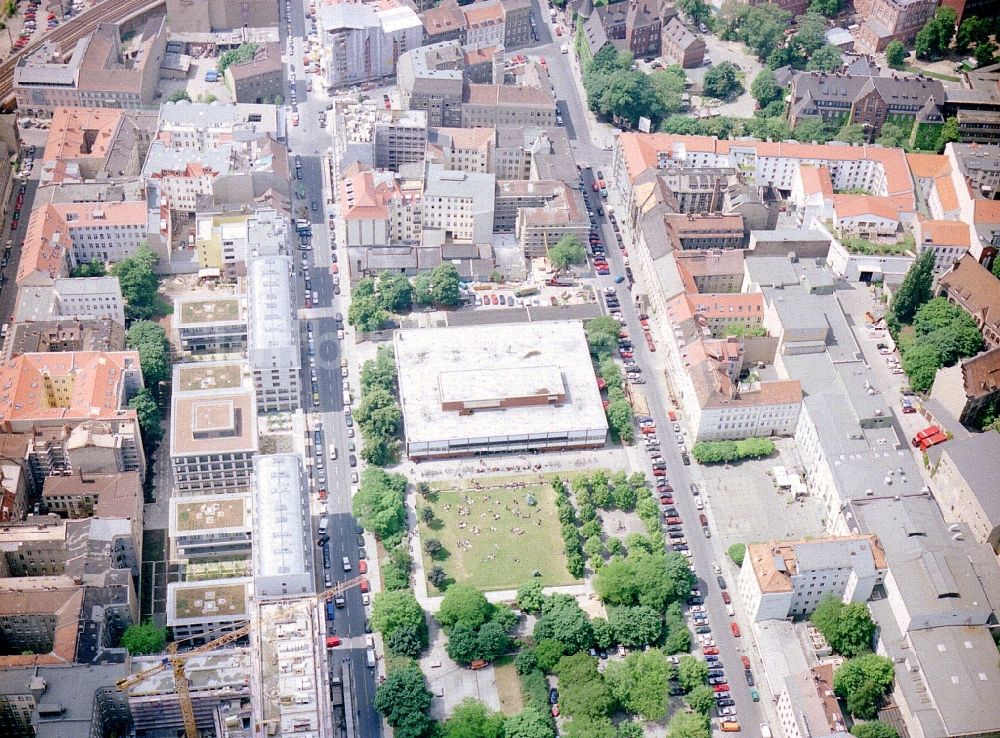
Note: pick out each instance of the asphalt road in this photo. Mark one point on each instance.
(703, 555)
(310, 141)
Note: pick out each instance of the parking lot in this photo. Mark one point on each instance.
(746, 505)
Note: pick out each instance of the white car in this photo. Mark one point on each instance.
(343, 371)
(716, 568)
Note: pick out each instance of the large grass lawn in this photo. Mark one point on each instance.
(492, 539)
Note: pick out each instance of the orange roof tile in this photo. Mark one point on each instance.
(928, 166)
(945, 232)
(81, 132)
(816, 179)
(946, 194)
(853, 206)
(986, 211)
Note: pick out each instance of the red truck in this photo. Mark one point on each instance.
(925, 433)
(934, 440)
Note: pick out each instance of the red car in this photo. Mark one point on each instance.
(746, 661)
(674, 520)
(649, 430)
(728, 600)
(710, 651)
(332, 641)
(627, 355)
(555, 710)
(596, 187)
(720, 687)
(364, 585)
(666, 500)
(13, 225)
(362, 567)
(736, 629)
(659, 472)
(322, 493)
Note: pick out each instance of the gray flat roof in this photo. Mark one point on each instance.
(272, 324)
(970, 458)
(280, 526)
(532, 352)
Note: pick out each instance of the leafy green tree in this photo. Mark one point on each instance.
(628, 95)
(636, 626)
(620, 419)
(810, 34)
(150, 341)
(243, 53)
(893, 136)
(179, 95)
(653, 580)
(669, 84)
(464, 604)
(444, 284)
(378, 505)
(722, 81)
(737, 552)
(895, 54)
(691, 672)
(403, 699)
(525, 661)
(914, 291)
(630, 730)
(408, 642)
(921, 362)
(678, 638)
(589, 727)
(378, 414)
(949, 133)
(848, 628)
(531, 722)
(852, 133)
(583, 691)
(604, 634)
(985, 53)
(688, 725)
(138, 283)
(762, 28)
(395, 292)
(367, 314)
(827, 58)
(548, 651)
(493, 641)
(862, 682)
(935, 37)
(364, 288)
(149, 416)
(395, 610)
(829, 8)
(473, 719)
(463, 644)
(602, 335)
(874, 729)
(563, 620)
(972, 32)
(701, 699)
(93, 268)
(144, 638)
(567, 251)
(995, 268)
(379, 372)
(765, 88)
(813, 129)
(640, 683)
(530, 596)
(696, 10)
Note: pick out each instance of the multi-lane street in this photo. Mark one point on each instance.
(322, 354)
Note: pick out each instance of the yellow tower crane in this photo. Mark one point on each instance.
(176, 660)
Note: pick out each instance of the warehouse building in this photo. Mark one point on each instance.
(514, 388)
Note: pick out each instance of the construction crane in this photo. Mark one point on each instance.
(176, 660)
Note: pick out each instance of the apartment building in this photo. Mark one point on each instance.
(102, 71)
(62, 236)
(220, 692)
(379, 208)
(443, 22)
(506, 105)
(431, 79)
(220, 15)
(9, 146)
(979, 165)
(273, 347)
(85, 144)
(807, 706)
(210, 527)
(85, 495)
(202, 610)
(867, 101)
(282, 552)
(14, 483)
(213, 433)
(634, 26)
(965, 484)
(259, 79)
(205, 127)
(484, 24)
(183, 177)
(400, 138)
(463, 149)
(211, 323)
(973, 288)
(60, 700)
(100, 297)
(705, 231)
(789, 578)
(891, 20)
(364, 42)
(948, 239)
(539, 214)
(681, 46)
(710, 272)
(459, 204)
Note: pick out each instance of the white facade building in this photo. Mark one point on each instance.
(100, 297)
(282, 551)
(273, 350)
(363, 42)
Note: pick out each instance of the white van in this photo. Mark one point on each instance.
(370, 658)
(322, 525)
(347, 564)
(730, 612)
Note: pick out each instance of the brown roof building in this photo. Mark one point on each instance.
(64, 335)
(682, 47)
(970, 386)
(890, 20)
(973, 288)
(706, 231)
(259, 79)
(444, 22)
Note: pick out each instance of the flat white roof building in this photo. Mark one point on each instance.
(281, 551)
(273, 334)
(509, 389)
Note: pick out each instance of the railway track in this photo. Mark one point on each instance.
(66, 35)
